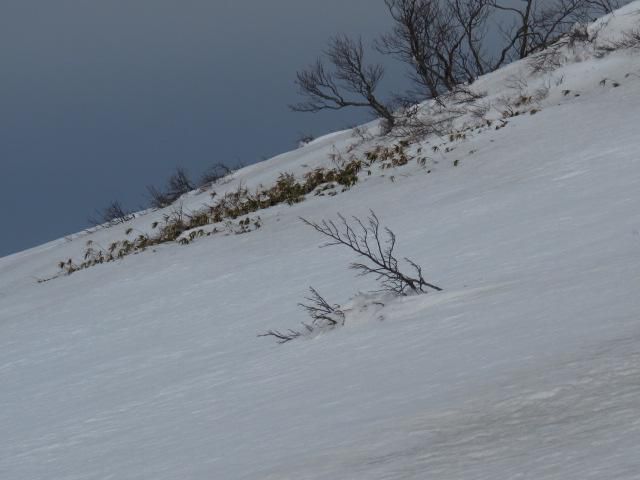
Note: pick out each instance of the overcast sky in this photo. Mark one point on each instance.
(99, 98)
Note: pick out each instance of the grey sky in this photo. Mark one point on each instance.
(100, 98)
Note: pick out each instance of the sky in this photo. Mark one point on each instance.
(99, 99)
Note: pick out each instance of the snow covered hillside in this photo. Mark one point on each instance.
(526, 365)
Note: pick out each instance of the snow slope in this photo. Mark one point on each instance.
(526, 366)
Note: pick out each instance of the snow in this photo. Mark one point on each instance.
(526, 366)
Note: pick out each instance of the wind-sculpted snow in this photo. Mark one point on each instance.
(526, 365)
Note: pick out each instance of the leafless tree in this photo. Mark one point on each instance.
(113, 214)
(536, 24)
(444, 41)
(342, 79)
(376, 244)
(441, 41)
(214, 174)
(178, 184)
(157, 198)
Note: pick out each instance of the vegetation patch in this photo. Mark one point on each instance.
(185, 227)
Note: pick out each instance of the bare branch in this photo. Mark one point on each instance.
(349, 83)
(321, 313)
(376, 244)
(323, 316)
(282, 337)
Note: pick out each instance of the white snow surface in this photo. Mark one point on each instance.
(526, 365)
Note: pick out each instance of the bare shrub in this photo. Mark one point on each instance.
(324, 316)
(68, 267)
(417, 121)
(630, 41)
(157, 198)
(542, 91)
(414, 123)
(368, 239)
(112, 214)
(362, 134)
(178, 184)
(214, 174)
(480, 110)
(376, 245)
(321, 312)
(304, 139)
(551, 56)
(546, 61)
(283, 337)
